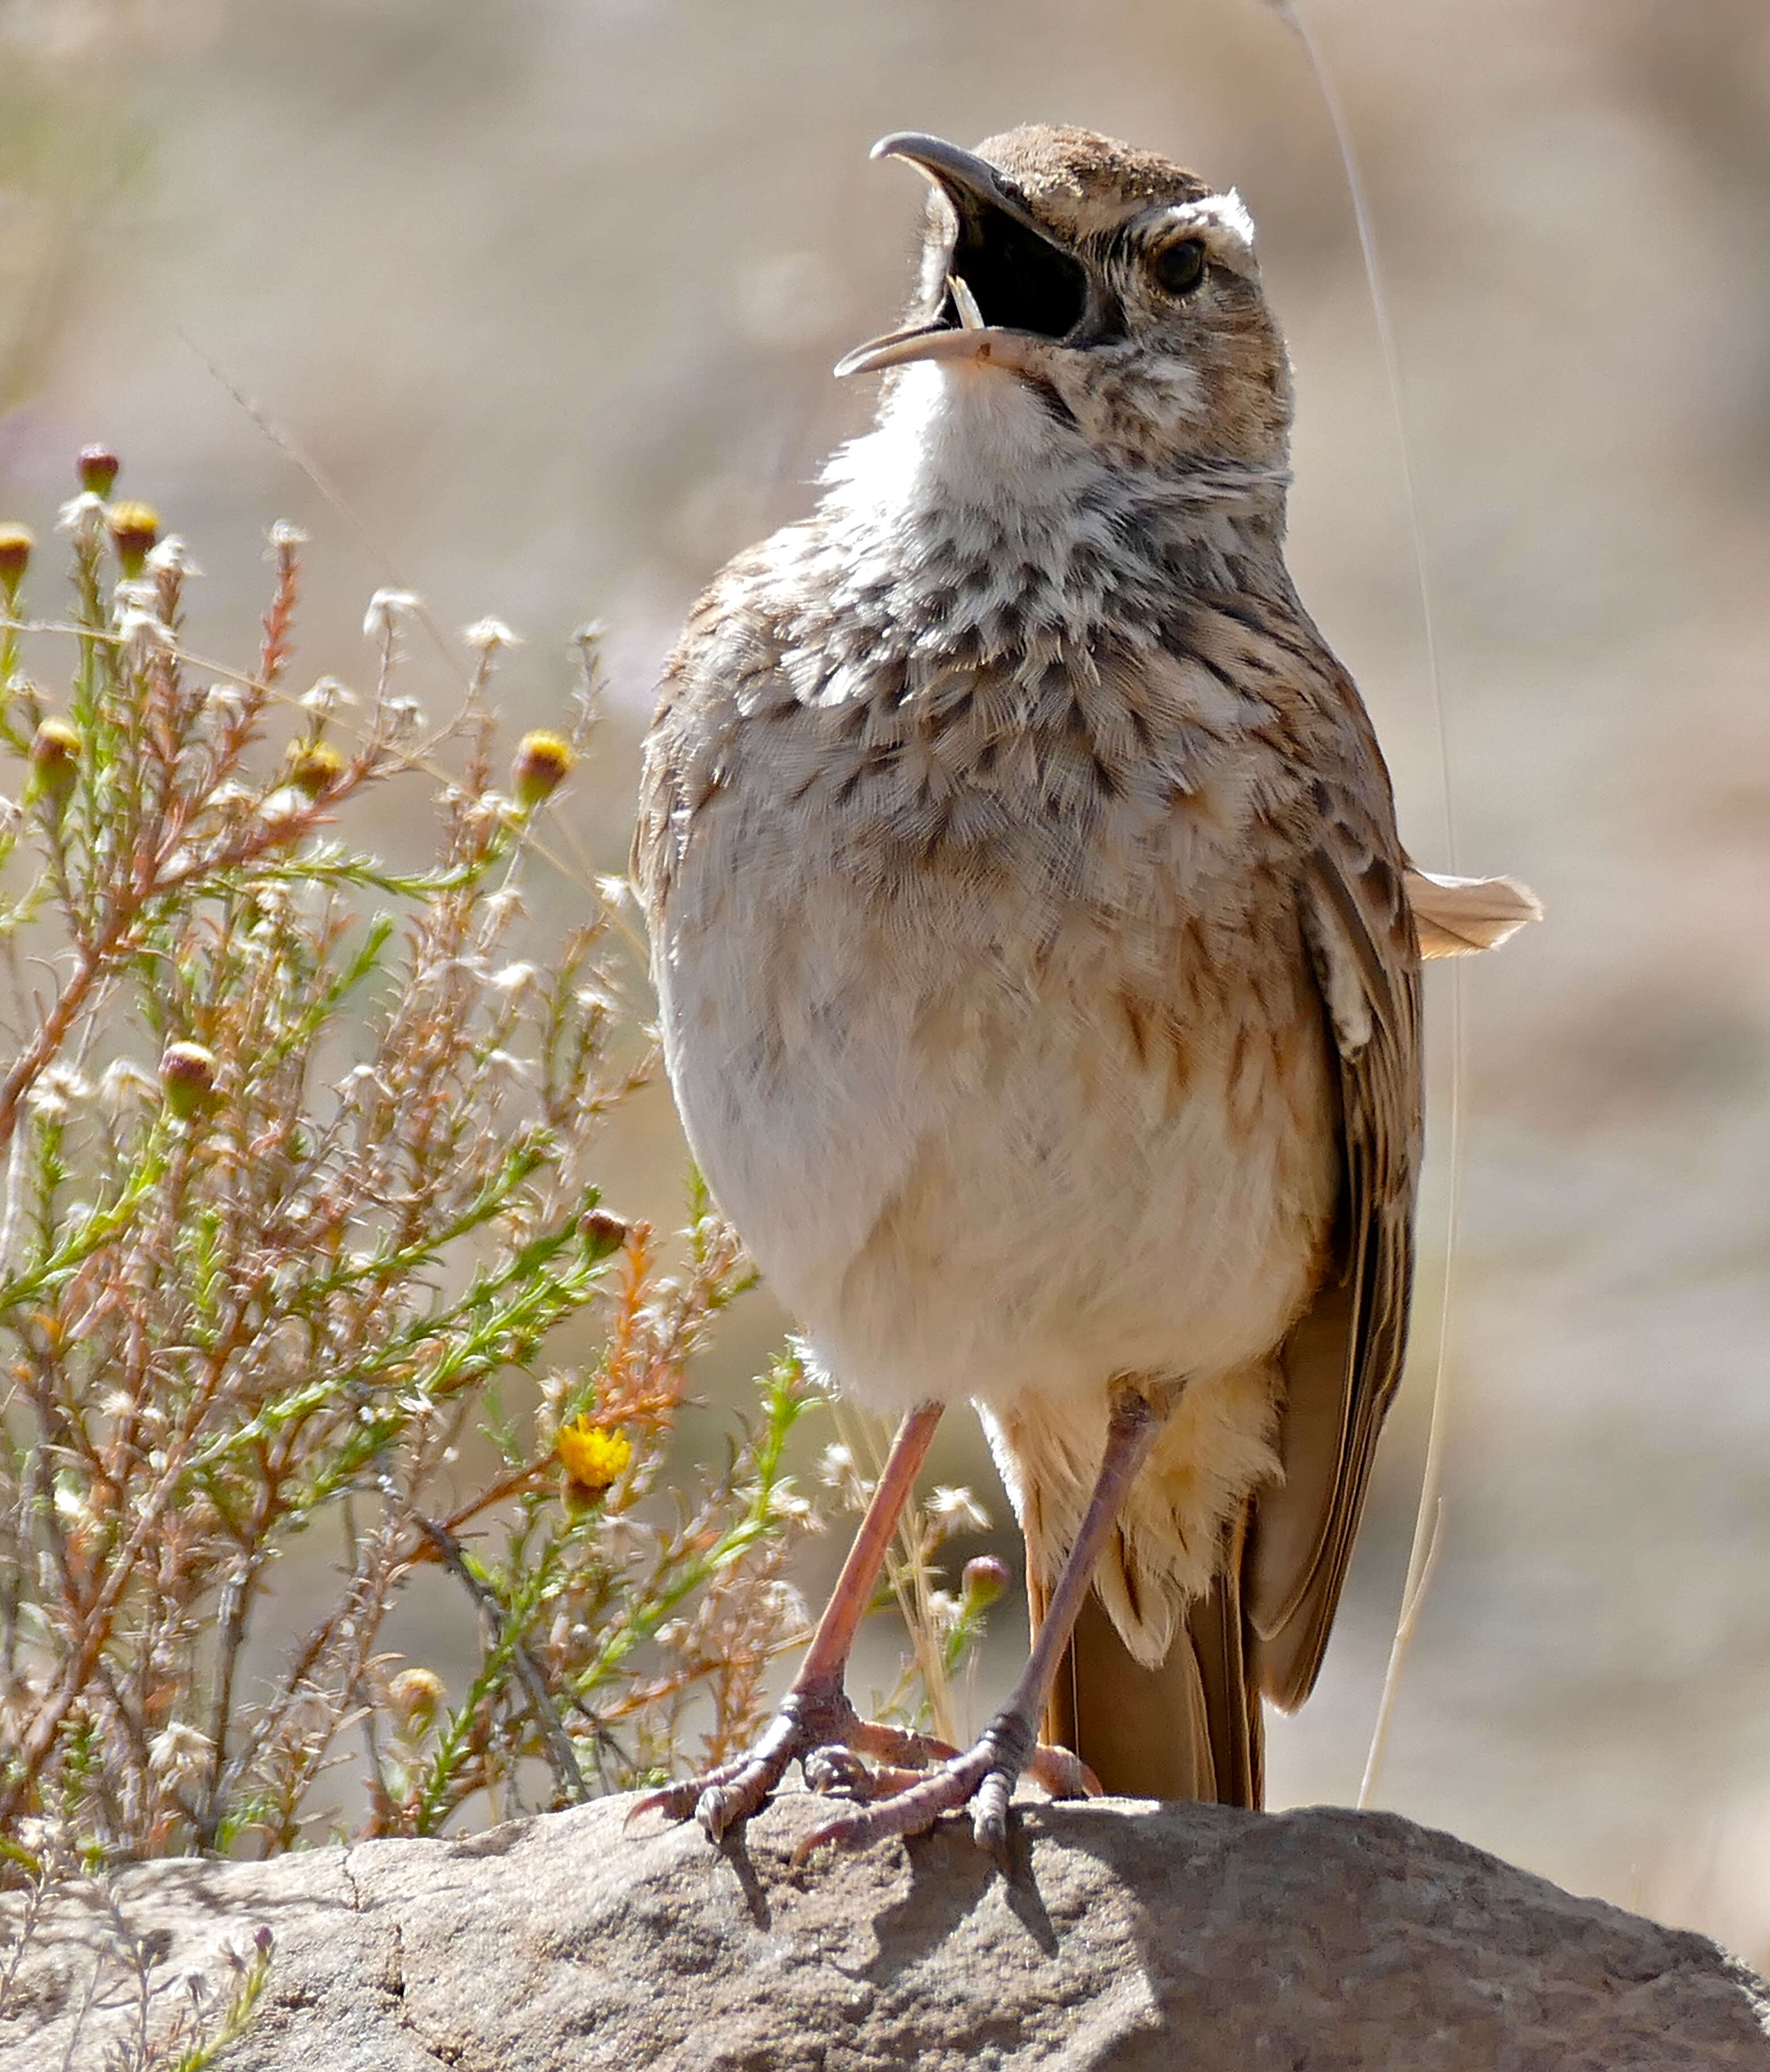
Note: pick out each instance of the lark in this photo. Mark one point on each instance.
(1039, 971)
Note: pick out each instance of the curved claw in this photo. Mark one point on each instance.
(821, 1733)
(911, 1812)
(677, 1801)
(730, 1795)
(989, 1816)
(834, 1768)
(985, 1769)
(815, 1726)
(720, 1798)
(1064, 1775)
(722, 1806)
(984, 1776)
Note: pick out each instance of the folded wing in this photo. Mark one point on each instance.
(1343, 1359)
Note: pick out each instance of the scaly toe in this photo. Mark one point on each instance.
(818, 1728)
(913, 1811)
(1063, 1775)
(834, 1768)
(723, 1803)
(989, 1816)
(900, 1747)
(676, 1802)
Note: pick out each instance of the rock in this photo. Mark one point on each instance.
(1132, 1936)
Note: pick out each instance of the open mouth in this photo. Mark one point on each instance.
(1004, 277)
(1018, 281)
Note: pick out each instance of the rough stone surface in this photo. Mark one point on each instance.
(1132, 1936)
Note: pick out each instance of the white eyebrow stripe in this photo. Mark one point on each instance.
(1226, 213)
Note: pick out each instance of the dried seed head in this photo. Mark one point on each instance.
(543, 762)
(144, 629)
(61, 1089)
(55, 762)
(487, 635)
(82, 517)
(16, 542)
(124, 1084)
(415, 1695)
(284, 813)
(134, 528)
(187, 1076)
(839, 1470)
(594, 1459)
(943, 1612)
(386, 608)
(178, 1750)
(326, 696)
(172, 557)
(97, 467)
(622, 1539)
(314, 766)
(957, 1510)
(983, 1581)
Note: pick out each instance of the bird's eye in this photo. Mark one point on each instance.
(1178, 268)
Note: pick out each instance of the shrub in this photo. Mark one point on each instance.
(295, 1214)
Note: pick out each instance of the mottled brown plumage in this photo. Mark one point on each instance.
(1039, 976)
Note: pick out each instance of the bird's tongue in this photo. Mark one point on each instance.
(971, 318)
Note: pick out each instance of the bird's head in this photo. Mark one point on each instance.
(1119, 289)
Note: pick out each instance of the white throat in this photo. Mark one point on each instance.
(953, 438)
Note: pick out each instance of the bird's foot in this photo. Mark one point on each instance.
(817, 1727)
(983, 1778)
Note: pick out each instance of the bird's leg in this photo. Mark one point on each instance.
(984, 1775)
(815, 1714)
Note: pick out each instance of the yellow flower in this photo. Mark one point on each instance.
(55, 762)
(543, 762)
(134, 528)
(593, 1457)
(415, 1694)
(314, 766)
(16, 542)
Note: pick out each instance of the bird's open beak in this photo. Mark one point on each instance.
(1006, 279)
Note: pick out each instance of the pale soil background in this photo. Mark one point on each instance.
(550, 290)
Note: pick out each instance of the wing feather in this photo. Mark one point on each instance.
(1342, 1361)
(1458, 917)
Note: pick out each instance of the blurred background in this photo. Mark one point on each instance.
(549, 293)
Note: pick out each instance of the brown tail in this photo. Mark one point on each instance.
(1189, 1728)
